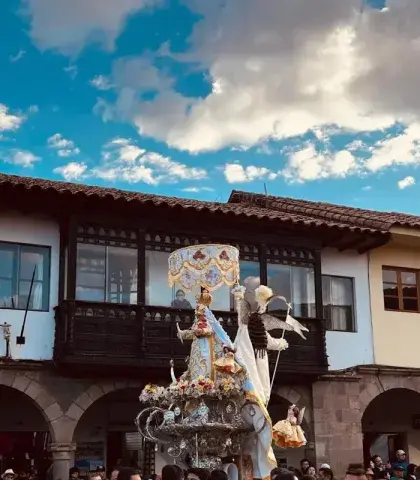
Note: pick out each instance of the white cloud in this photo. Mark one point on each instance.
(101, 82)
(123, 160)
(406, 182)
(302, 66)
(309, 164)
(19, 55)
(72, 71)
(236, 173)
(72, 171)
(9, 121)
(23, 158)
(68, 26)
(197, 189)
(64, 147)
(403, 148)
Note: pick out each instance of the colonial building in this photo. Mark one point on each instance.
(101, 319)
(369, 401)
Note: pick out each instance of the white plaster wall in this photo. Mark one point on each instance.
(349, 349)
(40, 327)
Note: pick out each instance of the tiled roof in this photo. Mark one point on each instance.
(285, 210)
(353, 217)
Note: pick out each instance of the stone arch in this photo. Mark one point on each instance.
(27, 384)
(92, 394)
(374, 385)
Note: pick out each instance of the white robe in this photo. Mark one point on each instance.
(258, 368)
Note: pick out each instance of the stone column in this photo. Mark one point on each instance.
(338, 423)
(63, 459)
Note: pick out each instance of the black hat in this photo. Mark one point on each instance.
(101, 468)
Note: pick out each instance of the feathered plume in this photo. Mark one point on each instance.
(263, 295)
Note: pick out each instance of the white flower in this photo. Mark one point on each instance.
(283, 344)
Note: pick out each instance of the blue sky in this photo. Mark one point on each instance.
(315, 99)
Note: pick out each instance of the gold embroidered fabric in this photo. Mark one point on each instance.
(208, 266)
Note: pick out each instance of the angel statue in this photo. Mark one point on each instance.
(288, 433)
(253, 340)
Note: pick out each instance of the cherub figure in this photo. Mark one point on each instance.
(227, 363)
(288, 433)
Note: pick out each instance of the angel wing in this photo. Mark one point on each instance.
(296, 326)
(273, 323)
(301, 414)
(244, 309)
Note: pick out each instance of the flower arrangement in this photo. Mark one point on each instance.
(152, 394)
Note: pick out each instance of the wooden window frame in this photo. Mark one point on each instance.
(400, 284)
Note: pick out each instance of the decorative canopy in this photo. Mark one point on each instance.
(208, 266)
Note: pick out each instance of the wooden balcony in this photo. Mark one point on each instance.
(100, 339)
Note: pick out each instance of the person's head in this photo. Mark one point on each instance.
(172, 472)
(398, 471)
(304, 465)
(311, 471)
(282, 474)
(356, 471)
(180, 294)
(326, 473)
(74, 472)
(401, 455)
(95, 476)
(218, 475)
(197, 474)
(377, 461)
(307, 477)
(9, 474)
(101, 471)
(128, 473)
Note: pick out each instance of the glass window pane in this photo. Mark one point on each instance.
(390, 289)
(409, 278)
(7, 259)
(122, 275)
(410, 304)
(340, 318)
(33, 258)
(389, 276)
(250, 278)
(90, 272)
(158, 291)
(279, 278)
(6, 294)
(303, 291)
(409, 291)
(391, 303)
(38, 298)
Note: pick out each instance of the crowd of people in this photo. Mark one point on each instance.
(400, 469)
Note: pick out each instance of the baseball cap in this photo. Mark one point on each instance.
(325, 465)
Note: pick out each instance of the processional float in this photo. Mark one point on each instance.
(218, 407)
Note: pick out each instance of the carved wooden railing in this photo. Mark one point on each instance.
(115, 334)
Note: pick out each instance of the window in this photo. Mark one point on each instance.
(400, 287)
(338, 302)
(297, 285)
(18, 264)
(106, 274)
